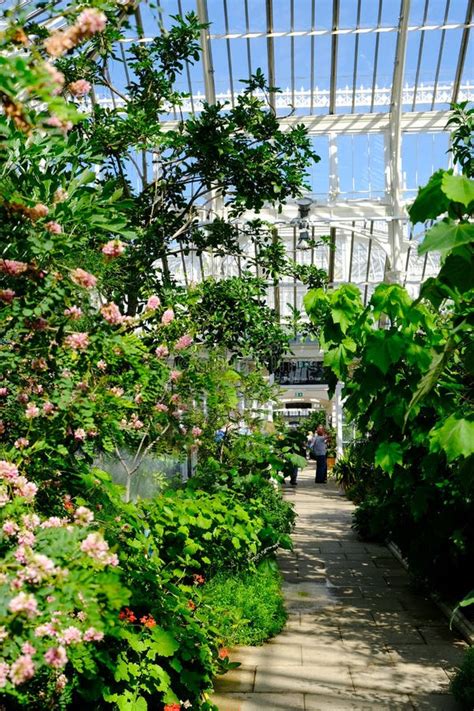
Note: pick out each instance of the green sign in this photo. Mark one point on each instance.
(299, 394)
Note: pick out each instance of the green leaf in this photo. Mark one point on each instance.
(388, 454)
(446, 235)
(314, 299)
(458, 188)
(167, 644)
(468, 600)
(455, 437)
(431, 201)
(383, 349)
(429, 379)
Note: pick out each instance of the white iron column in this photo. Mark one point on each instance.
(395, 157)
(337, 418)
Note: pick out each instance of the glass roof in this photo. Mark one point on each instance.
(327, 56)
(380, 131)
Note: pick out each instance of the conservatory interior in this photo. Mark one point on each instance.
(236, 355)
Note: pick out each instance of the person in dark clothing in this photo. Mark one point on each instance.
(319, 447)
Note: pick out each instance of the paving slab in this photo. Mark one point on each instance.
(259, 702)
(358, 636)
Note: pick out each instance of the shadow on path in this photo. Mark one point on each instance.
(358, 635)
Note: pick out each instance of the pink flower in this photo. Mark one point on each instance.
(3, 392)
(175, 375)
(31, 411)
(12, 267)
(46, 630)
(71, 635)
(61, 682)
(79, 435)
(114, 248)
(175, 398)
(4, 672)
(56, 657)
(196, 431)
(10, 528)
(161, 407)
(22, 443)
(53, 227)
(81, 87)
(102, 365)
(83, 515)
(93, 635)
(39, 568)
(77, 341)
(37, 212)
(28, 648)
(183, 342)
(4, 497)
(8, 471)
(153, 303)
(162, 352)
(83, 278)
(56, 76)
(135, 422)
(98, 549)
(31, 521)
(73, 312)
(60, 195)
(48, 408)
(54, 122)
(7, 295)
(167, 317)
(26, 538)
(118, 392)
(111, 313)
(26, 489)
(53, 522)
(91, 21)
(24, 602)
(22, 669)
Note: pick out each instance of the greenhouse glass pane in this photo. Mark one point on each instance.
(358, 178)
(257, 16)
(422, 155)
(215, 11)
(318, 175)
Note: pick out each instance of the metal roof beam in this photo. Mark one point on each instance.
(208, 68)
(462, 52)
(411, 122)
(395, 153)
(270, 51)
(334, 43)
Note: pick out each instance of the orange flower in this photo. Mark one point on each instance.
(223, 653)
(191, 605)
(148, 621)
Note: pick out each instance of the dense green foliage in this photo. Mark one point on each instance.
(462, 685)
(100, 354)
(408, 371)
(245, 608)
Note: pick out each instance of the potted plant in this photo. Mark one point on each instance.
(331, 452)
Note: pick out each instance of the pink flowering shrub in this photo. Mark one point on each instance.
(52, 574)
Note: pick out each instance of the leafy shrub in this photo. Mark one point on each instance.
(462, 685)
(245, 608)
(197, 531)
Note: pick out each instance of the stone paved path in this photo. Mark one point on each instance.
(358, 636)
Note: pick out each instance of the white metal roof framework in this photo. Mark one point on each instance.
(371, 79)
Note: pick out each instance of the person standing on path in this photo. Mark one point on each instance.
(319, 447)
